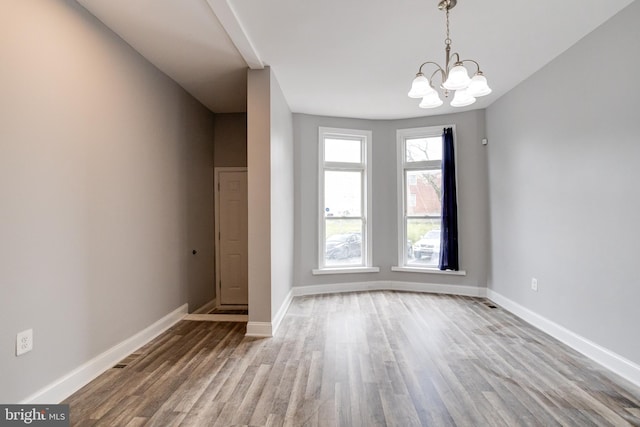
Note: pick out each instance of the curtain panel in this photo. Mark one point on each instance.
(449, 229)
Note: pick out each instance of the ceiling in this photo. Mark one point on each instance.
(351, 58)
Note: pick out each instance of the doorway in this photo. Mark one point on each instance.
(231, 232)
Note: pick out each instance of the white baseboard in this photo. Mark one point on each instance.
(435, 288)
(472, 291)
(206, 308)
(259, 330)
(65, 386)
(268, 329)
(281, 312)
(607, 358)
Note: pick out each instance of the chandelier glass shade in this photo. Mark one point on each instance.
(454, 76)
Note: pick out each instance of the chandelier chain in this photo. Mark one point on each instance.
(447, 41)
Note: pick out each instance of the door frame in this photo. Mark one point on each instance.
(216, 231)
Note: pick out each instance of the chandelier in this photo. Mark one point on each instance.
(453, 76)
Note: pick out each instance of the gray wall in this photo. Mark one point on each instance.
(563, 162)
(281, 197)
(259, 193)
(472, 198)
(270, 173)
(230, 148)
(106, 187)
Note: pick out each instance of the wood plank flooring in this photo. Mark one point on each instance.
(361, 359)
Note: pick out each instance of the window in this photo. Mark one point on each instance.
(420, 196)
(413, 200)
(345, 202)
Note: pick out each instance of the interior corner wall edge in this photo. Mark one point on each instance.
(564, 201)
(106, 184)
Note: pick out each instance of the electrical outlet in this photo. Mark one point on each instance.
(24, 342)
(534, 284)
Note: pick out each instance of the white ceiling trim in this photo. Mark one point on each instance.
(231, 24)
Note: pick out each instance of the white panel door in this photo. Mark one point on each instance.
(232, 238)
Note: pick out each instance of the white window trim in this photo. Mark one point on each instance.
(366, 204)
(401, 136)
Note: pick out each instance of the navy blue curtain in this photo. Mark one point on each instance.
(449, 228)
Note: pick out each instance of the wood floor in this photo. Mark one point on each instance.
(361, 359)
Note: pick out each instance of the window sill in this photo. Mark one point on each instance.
(347, 270)
(429, 271)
